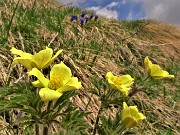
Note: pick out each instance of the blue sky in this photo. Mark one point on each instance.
(167, 11)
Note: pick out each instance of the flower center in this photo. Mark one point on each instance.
(117, 81)
(56, 82)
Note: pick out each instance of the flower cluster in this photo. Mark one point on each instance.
(130, 116)
(84, 18)
(61, 79)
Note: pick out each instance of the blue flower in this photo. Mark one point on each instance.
(87, 19)
(96, 17)
(91, 16)
(81, 21)
(83, 14)
(74, 17)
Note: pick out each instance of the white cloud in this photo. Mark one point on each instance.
(73, 2)
(130, 16)
(106, 11)
(162, 10)
(113, 4)
(123, 2)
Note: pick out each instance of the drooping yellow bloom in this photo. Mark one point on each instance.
(155, 70)
(60, 81)
(39, 60)
(121, 83)
(130, 116)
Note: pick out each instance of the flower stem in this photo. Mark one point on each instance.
(97, 119)
(45, 130)
(36, 129)
(49, 105)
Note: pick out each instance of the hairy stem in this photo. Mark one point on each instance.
(97, 119)
(37, 129)
(45, 130)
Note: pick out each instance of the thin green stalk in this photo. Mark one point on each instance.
(97, 119)
(46, 127)
(122, 128)
(49, 105)
(10, 22)
(110, 94)
(88, 102)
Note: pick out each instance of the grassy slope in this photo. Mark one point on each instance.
(94, 49)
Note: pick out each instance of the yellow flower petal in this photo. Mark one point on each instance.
(35, 72)
(148, 65)
(72, 84)
(25, 58)
(24, 61)
(43, 57)
(155, 70)
(130, 116)
(52, 59)
(126, 80)
(121, 83)
(61, 72)
(109, 76)
(37, 84)
(47, 95)
(39, 60)
(158, 73)
(20, 53)
(124, 89)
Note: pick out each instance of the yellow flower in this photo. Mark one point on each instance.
(121, 83)
(39, 60)
(61, 80)
(130, 116)
(155, 70)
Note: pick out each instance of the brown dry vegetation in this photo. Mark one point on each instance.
(119, 45)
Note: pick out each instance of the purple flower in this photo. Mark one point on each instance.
(96, 17)
(83, 14)
(91, 16)
(81, 21)
(87, 19)
(73, 17)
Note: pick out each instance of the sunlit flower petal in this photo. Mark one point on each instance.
(121, 83)
(155, 70)
(27, 62)
(61, 80)
(148, 65)
(47, 94)
(59, 75)
(124, 89)
(130, 116)
(20, 53)
(25, 58)
(37, 84)
(127, 80)
(72, 84)
(43, 57)
(53, 58)
(35, 72)
(39, 60)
